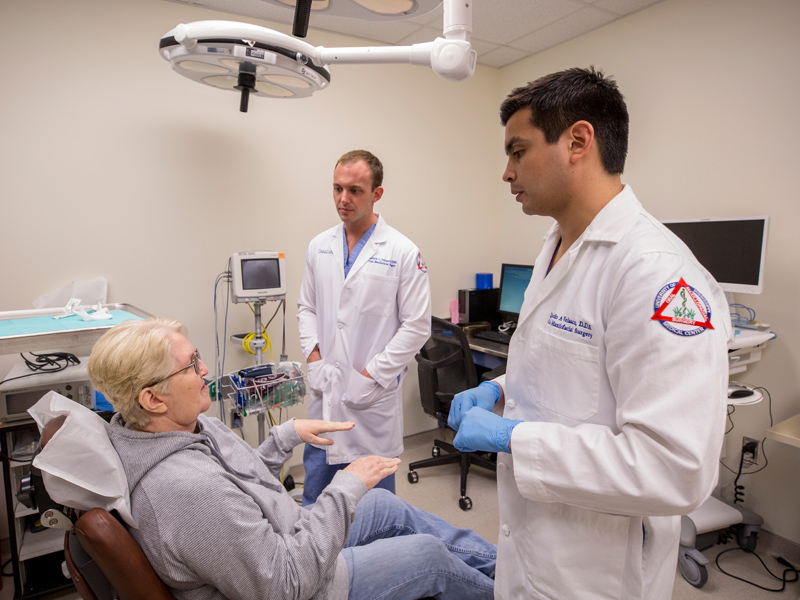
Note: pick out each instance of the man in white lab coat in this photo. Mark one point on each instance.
(364, 311)
(615, 391)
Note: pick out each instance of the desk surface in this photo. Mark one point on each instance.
(488, 347)
(749, 338)
(479, 345)
(787, 431)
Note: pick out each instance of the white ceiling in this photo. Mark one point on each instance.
(503, 31)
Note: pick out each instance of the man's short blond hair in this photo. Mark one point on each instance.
(373, 163)
(130, 357)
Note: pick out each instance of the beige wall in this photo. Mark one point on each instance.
(110, 164)
(114, 165)
(712, 91)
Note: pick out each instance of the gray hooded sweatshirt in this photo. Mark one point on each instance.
(215, 521)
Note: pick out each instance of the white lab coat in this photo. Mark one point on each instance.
(624, 419)
(377, 319)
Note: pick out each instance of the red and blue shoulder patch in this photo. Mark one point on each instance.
(681, 309)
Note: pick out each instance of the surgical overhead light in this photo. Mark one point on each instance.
(258, 61)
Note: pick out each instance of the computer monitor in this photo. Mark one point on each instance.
(514, 281)
(258, 276)
(733, 250)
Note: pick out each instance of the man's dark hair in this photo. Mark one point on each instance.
(560, 99)
(374, 164)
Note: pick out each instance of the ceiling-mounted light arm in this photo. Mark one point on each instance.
(259, 61)
(302, 14)
(457, 19)
(451, 58)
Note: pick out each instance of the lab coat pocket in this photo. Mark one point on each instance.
(571, 388)
(378, 295)
(585, 548)
(315, 376)
(362, 392)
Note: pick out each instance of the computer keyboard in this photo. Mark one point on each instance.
(501, 337)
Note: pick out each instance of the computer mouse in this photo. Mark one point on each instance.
(740, 393)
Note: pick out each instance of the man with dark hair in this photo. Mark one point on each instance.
(364, 310)
(615, 392)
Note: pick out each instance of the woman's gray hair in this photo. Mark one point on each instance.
(130, 357)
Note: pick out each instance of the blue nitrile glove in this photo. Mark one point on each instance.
(484, 431)
(485, 396)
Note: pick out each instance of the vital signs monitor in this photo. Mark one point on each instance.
(258, 276)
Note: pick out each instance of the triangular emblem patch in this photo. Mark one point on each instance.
(683, 306)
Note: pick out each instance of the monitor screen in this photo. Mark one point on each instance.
(514, 281)
(733, 250)
(257, 276)
(260, 273)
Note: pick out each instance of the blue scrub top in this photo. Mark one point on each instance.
(350, 260)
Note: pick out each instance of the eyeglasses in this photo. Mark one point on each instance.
(195, 363)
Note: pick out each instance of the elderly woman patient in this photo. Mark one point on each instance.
(214, 519)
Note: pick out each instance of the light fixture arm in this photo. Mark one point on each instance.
(451, 57)
(457, 19)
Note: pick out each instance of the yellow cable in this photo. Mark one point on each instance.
(249, 337)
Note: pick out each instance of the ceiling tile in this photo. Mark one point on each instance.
(508, 20)
(569, 27)
(501, 57)
(623, 7)
(428, 34)
(389, 32)
(482, 47)
(421, 35)
(246, 8)
(433, 18)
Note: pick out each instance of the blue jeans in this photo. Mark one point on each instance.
(399, 552)
(319, 475)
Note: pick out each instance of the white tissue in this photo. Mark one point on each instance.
(79, 465)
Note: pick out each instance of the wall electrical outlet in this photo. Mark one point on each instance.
(749, 451)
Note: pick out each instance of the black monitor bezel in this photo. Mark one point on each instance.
(749, 287)
(505, 315)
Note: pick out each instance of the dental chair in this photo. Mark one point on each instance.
(101, 556)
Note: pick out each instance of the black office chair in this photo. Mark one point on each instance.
(445, 368)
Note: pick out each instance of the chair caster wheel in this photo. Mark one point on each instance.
(413, 477)
(465, 503)
(436, 451)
